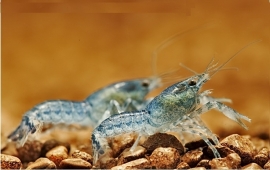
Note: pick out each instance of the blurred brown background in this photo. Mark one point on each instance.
(68, 49)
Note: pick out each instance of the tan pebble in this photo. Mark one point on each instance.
(74, 163)
(193, 157)
(10, 162)
(163, 140)
(57, 154)
(242, 146)
(127, 155)
(182, 165)
(30, 151)
(42, 163)
(83, 155)
(267, 165)
(122, 142)
(141, 163)
(262, 157)
(165, 158)
(50, 144)
(204, 163)
(232, 161)
(219, 163)
(198, 168)
(252, 166)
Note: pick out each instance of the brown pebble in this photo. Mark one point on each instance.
(204, 163)
(74, 163)
(57, 154)
(182, 165)
(222, 150)
(52, 143)
(83, 155)
(120, 143)
(42, 163)
(219, 163)
(30, 151)
(10, 162)
(262, 157)
(197, 144)
(127, 155)
(193, 157)
(232, 161)
(165, 158)
(198, 168)
(242, 146)
(163, 140)
(141, 163)
(252, 166)
(267, 165)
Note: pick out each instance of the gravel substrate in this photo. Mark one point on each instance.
(159, 151)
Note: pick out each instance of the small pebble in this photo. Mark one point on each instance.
(204, 163)
(183, 165)
(127, 155)
(120, 143)
(242, 146)
(30, 151)
(198, 168)
(193, 157)
(52, 143)
(232, 161)
(141, 163)
(252, 166)
(262, 157)
(163, 140)
(57, 154)
(219, 163)
(164, 158)
(267, 165)
(42, 163)
(83, 155)
(74, 163)
(10, 162)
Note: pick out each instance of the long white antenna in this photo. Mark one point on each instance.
(170, 40)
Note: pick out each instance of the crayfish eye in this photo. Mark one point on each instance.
(192, 83)
(145, 83)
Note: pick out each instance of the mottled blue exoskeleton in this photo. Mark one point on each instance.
(177, 109)
(118, 97)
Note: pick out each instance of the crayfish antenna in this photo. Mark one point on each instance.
(214, 71)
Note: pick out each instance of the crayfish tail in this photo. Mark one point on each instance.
(22, 132)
